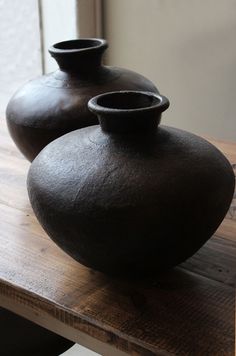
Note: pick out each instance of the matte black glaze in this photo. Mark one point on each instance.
(129, 197)
(56, 103)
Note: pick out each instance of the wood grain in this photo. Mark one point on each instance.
(188, 311)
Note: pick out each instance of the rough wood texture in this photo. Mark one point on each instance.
(189, 311)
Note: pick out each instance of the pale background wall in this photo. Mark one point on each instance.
(59, 23)
(188, 48)
(25, 36)
(20, 55)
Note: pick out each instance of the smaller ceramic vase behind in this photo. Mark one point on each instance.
(130, 196)
(56, 103)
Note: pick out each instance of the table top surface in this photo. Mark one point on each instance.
(188, 311)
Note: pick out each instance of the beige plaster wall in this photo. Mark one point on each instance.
(20, 52)
(188, 48)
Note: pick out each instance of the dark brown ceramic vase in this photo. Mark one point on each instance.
(129, 196)
(56, 103)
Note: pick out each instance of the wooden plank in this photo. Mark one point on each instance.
(135, 316)
(13, 170)
(227, 230)
(215, 260)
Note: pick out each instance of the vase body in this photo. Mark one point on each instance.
(56, 103)
(130, 196)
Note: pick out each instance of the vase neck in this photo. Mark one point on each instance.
(129, 111)
(82, 56)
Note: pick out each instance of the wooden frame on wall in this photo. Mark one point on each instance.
(67, 19)
(89, 18)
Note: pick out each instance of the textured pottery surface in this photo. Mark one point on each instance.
(56, 103)
(21, 337)
(129, 196)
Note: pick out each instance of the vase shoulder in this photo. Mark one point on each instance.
(171, 156)
(54, 98)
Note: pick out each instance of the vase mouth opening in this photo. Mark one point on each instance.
(78, 45)
(128, 102)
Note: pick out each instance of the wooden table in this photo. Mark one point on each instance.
(189, 311)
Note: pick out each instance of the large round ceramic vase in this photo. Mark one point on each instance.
(56, 103)
(129, 196)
